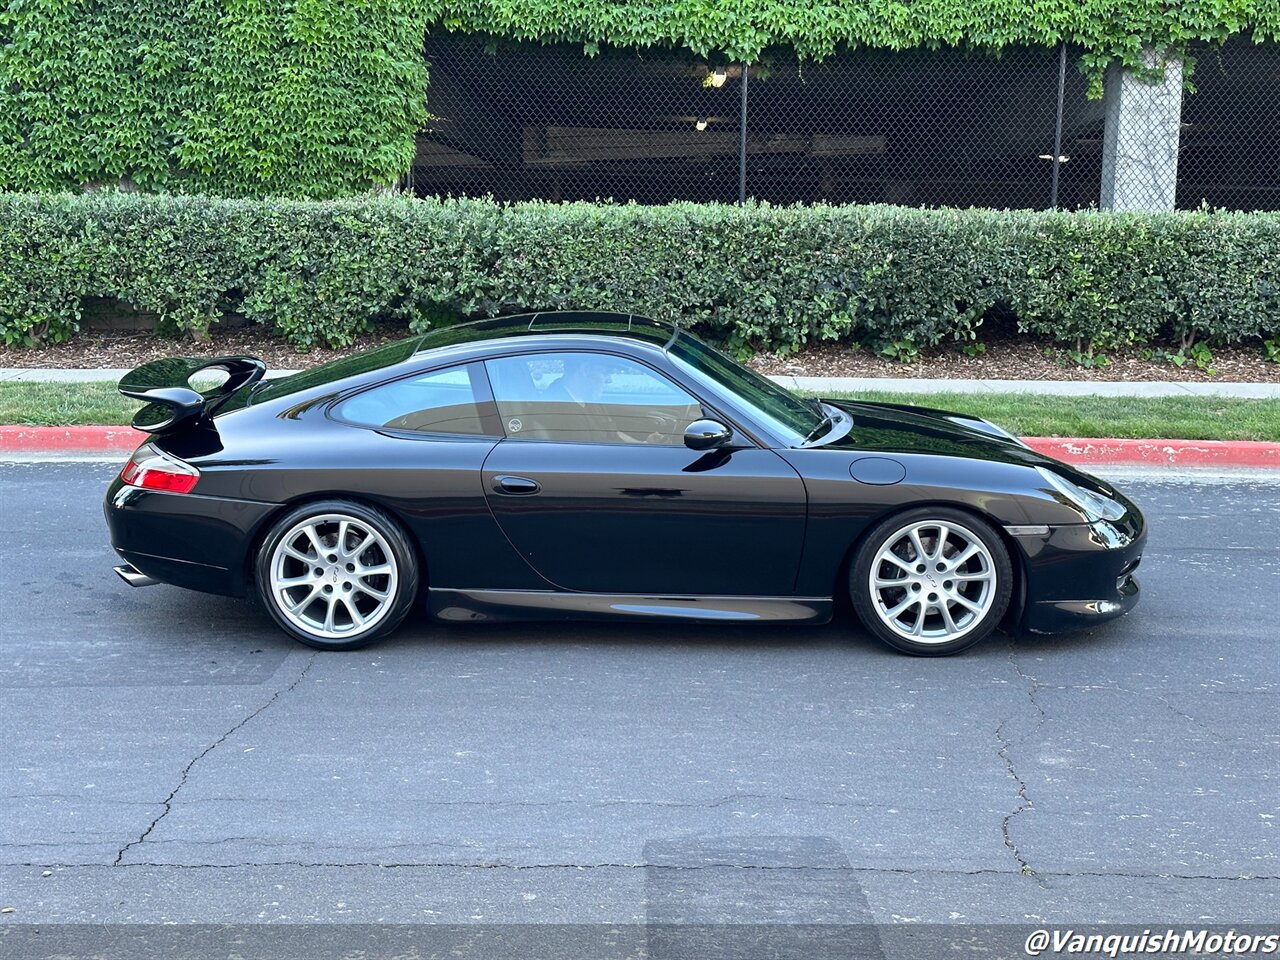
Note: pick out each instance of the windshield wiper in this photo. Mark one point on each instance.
(827, 422)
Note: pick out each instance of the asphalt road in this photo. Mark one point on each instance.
(172, 757)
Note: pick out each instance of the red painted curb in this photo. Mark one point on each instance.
(1082, 451)
(15, 439)
(1165, 453)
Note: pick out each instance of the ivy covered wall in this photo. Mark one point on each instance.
(321, 98)
(315, 98)
(741, 29)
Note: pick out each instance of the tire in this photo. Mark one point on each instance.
(934, 612)
(328, 603)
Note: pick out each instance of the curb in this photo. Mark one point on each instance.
(14, 439)
(1074, 450)
(1162, 453)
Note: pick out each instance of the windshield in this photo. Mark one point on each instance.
(787, 415)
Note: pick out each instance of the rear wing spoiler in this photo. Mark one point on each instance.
(165, 387)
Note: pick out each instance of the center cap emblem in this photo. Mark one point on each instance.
(334, 574)
(929, 577)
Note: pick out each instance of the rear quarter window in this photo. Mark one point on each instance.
(442, 402)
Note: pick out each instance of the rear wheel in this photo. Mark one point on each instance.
(931, 581)
(337, 575)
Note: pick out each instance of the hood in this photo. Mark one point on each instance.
(897, 428)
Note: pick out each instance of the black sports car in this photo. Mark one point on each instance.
(602, 466)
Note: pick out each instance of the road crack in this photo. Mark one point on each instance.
(1006, 754)
(168, 801)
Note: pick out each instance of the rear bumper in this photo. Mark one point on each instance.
(1079, 575)
(207, 578)
(200, 543)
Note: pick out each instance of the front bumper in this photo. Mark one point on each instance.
(186, 540)
(1081, 574)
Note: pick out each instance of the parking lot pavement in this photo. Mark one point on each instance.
(172, 756)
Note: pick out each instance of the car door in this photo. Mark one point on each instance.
(594, 487)
(428, 435)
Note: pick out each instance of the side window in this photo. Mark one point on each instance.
(443, 401)
(588, 398)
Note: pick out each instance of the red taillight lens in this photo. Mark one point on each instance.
(151, 470)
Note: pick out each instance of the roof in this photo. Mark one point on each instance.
(579, 322)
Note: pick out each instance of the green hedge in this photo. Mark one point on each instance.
(321, 272)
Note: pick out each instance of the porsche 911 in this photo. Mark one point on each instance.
(601, 466)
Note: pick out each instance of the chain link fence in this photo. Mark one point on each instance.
(1230, 143)
(524, 121)
(918, 128)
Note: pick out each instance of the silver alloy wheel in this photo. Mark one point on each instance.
(333, 576)
(932, 581)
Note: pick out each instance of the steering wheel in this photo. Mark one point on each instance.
(662, 424)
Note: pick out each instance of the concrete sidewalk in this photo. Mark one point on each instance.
(69, 375)
(1063, 388)
(1066, 388)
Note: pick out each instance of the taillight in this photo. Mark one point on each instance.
(152, 470)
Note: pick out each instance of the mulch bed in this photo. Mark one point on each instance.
(89, 350)
(1005, 359)
(1018, 360)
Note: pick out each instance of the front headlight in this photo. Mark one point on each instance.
(1093, 505)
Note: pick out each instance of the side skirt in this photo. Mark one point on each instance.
(495, 606)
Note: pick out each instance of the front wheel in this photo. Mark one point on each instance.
(337, 575)
(931, 581)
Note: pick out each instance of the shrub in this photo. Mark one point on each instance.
(757, 276)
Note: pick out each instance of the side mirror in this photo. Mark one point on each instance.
(706, 435)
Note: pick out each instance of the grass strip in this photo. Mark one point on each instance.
(1165, 418)
(64, 404)
(1027, 415)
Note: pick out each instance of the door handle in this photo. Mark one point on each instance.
(516, 486)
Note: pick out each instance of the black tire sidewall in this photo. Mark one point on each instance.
(864, 603)
(405, 556)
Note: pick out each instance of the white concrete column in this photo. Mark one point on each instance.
(1142, 121)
